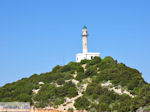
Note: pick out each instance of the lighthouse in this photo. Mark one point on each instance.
(84, 40)
(85, 54)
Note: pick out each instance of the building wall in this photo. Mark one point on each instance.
(88, 56)
(84, 44)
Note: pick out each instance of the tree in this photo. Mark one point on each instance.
(81, 103)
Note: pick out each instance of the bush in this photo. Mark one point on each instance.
(91, 71)
(94, 61)
(68, 76)
(65, 68)
(80, 69)
(56, 68)
(90, 90)
(59, 101)
(73, 65)
(84, 61)
(60, 81)
(72, 92)
(103, 107)
(96, 69)
(109, 59)
(70, 109)
(81, 103)
(80, 76)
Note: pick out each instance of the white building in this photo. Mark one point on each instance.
(85, 54)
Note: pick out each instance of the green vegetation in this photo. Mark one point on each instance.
(82, 103)
(58, 85)
(50, 94)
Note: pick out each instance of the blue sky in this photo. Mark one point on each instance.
(36, 35)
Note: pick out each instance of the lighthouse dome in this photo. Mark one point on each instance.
(84, 27)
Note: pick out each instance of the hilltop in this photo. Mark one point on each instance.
(93, 85)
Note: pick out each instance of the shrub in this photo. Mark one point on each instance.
(91, 71)
(81, 103)
(72, 92)
(73, 65)
(80, 76)
(80, 69)
(59, 101)
(90, 90)
(56, 68)
(65, 68)
(70, 109)
(84, 61)
(68, 76)
(94, 61)
(60, 81)
(109, 59)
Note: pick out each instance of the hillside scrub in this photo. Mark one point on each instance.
(57, 85)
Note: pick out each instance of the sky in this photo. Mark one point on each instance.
(36, 35)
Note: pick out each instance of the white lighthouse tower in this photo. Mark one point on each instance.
(84, 40)
(85, 54)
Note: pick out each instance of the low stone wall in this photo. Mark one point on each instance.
(43, 110)
(33, 110)
(49, 110)
(14, 110)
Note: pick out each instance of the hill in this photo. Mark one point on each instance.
(93, 85)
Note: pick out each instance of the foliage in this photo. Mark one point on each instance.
(60, 81)
(81, 103)
(98, 70)
(70, 109)
(94, 61)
